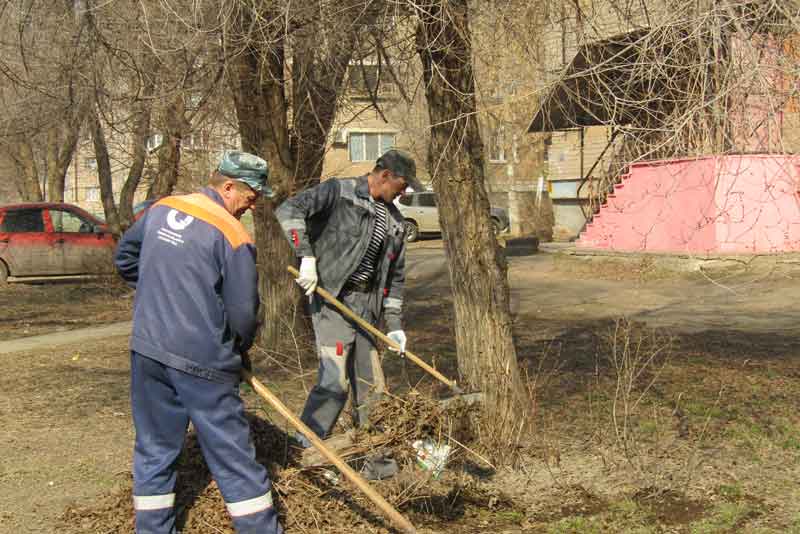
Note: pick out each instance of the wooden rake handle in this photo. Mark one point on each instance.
(380, 335)
(388, 510)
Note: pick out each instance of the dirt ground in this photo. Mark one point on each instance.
(679, 418)
(47, 307)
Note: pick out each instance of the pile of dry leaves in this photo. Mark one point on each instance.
(308, 500)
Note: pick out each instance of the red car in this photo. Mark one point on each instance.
(52, 239)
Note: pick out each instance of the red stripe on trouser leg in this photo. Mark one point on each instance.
(385, 291)
(339, 348)
(295, 239)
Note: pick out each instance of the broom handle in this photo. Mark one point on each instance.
(401, 522)
(377, 333)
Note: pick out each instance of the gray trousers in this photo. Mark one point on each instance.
(348, 360)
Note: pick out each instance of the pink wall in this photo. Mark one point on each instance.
(740, 204)
(757, 204)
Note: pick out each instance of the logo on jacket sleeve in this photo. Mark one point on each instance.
(173, 237)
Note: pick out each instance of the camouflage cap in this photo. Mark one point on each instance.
(247, 168)
(401, 164)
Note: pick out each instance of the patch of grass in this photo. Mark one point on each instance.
(575, 525)
(725, 518)
(788, 436)
(705, 410)
(746, 434)
(648, 427)
(731, 492)
(625, 507)
(510, 516)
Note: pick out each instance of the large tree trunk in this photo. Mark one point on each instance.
(257, 80)
(62, 141)
(169, 155)
(295, 155)
(478, 272)
(104, 174)
(141, 131)
(27, 175)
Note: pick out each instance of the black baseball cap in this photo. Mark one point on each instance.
(401, 164)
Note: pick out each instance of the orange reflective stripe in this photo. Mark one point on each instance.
(201, 207)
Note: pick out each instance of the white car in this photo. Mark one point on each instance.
(422, 216)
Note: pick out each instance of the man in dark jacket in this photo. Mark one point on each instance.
(350, 238)
(193, 266)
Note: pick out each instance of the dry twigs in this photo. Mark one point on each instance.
(307, 500)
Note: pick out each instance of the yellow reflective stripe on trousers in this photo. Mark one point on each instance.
(250, 506)
(153, 502)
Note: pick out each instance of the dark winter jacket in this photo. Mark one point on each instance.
(193, 266)
(333, 222)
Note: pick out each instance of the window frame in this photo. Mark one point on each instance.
(497, 141)
(364, 154)
(153, 142)
(93, 189)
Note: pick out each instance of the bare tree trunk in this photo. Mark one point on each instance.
(27, 176)
(295, 154)
(62, 142)
(487, 358)
(261, 109)
(141, 130)
(104, 174)
(169, 155)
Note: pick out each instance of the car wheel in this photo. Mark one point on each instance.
(3, 274)
(412, 231)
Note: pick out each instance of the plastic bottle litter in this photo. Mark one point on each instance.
(431, 456)
(332, 476)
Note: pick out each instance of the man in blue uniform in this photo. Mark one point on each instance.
(193, 266)
(350, 239)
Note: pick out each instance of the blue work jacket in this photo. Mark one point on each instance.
(194, 269)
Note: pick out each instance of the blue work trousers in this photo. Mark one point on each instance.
(163, 401)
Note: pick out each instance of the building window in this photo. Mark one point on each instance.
(90, 163)
(497, 145)
(154, 141)
(92, 194)
(368, 146)
(194, 141)
(515, 148)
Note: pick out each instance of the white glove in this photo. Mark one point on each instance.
(308, 274)
(399, 337)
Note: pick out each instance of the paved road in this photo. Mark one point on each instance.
(65, 338)
(552, 287)
(545, 287)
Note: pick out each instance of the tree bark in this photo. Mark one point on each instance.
(104, 174)
(478, 271)
(261, 108)
(293, 149)
(27, 175)
(141, 131)
(62, 142)
(169, 155)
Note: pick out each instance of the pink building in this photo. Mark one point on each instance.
(714, 204)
